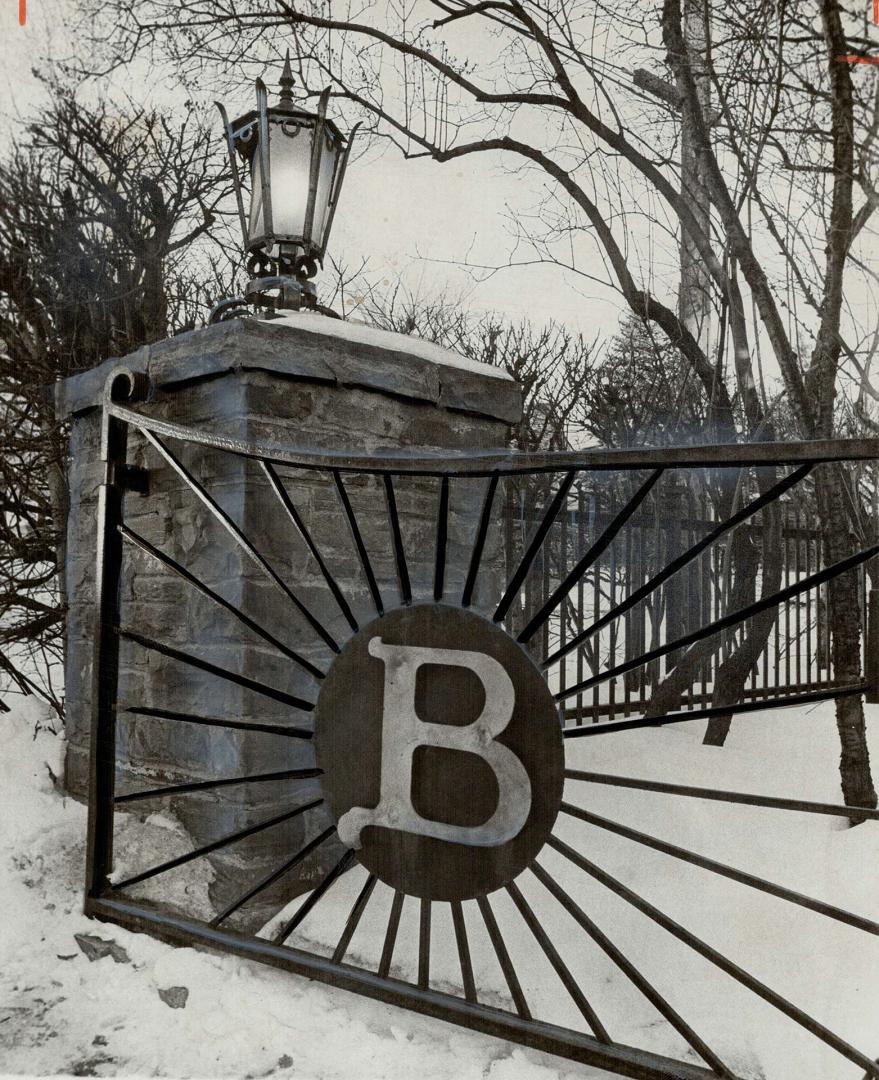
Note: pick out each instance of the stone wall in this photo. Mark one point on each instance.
(300, 381)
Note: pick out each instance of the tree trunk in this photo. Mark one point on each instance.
(694, 298)
(154, 312)
(845, 640)
(729, 682)
(745, 559)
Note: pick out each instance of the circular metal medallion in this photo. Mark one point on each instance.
(442, 752)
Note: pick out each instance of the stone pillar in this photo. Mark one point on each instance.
(302, 381)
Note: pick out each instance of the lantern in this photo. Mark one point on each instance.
(296, 161)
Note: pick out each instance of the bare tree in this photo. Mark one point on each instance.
(99, 212)
(642, 393)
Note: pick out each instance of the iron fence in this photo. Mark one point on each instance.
(674, 519)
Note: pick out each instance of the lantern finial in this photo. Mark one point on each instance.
(287, 81)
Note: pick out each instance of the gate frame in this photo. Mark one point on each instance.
(119, 478)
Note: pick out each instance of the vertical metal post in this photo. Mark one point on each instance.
(317, 152)
(613, 569)
(871, 647)
(579, 622)
(236, 176)
(121, 384)
(339, 177)
(265, 165)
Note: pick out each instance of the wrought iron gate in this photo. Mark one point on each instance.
(474, 720)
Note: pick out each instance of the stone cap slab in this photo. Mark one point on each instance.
(307, 346)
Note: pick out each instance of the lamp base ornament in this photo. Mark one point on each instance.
(265, 296)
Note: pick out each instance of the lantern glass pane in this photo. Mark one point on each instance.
(290, 156)
(255, 227)
(327, 171)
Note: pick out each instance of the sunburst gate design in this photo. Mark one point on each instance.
(469, 832)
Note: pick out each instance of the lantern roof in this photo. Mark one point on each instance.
(286, 105)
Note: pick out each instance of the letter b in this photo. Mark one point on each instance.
(403, 732)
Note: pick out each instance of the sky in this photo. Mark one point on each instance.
(417, 219)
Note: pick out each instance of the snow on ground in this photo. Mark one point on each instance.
(61, 1013)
